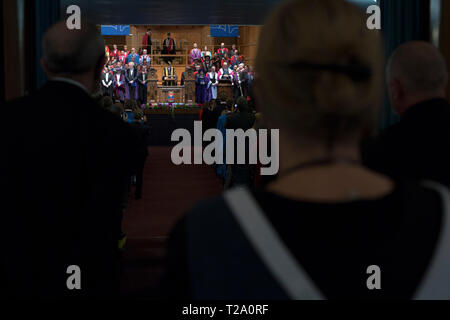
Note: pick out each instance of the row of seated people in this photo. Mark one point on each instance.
(337, 219)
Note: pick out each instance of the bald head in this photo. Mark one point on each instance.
(72, 52)
(419, 66)
(416, 72)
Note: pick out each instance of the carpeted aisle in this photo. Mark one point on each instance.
(169, 191)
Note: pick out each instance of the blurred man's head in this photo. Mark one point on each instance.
(222, 45)
(327, 89)
(195, 46)
(213, 69)
(416, 72)
(242, 104)
(125, 48)
(133, 50)
(115, 47)
(149, 31)
(75, 54)
(225, 65)
(144, 51)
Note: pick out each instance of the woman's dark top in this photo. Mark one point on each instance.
(335, 243)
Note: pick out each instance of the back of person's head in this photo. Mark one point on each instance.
(329, 82)
(107, 102)
(116, 109)
(242, 104)
(129, 105)
(230, 104)
(416, 71)
(98, 99)
(74, 52)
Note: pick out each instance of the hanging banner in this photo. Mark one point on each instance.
(115, 30)
(224, 30)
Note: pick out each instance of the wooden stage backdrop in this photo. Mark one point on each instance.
(185, 37)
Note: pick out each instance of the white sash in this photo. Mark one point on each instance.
(290, 274)
(265, 240)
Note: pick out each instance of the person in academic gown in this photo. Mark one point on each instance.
(205, 53)
(207, 63)
(201, 84)
(126, 53)
(147, 41)
(216, 61)
(213, 81)
(222, 51)
(115, 52)
(145, 58)
(131, 77)
(169, 71)
(169, 47)
(225, 59)
(195, 54)
(240, 79)
(133, 57)
(233, 50)
(225, 73)
(236, 59)
(142, 85)
(107, 82)
(119, 85)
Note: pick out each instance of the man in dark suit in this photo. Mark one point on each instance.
(63, 172)
(131, 77)
(418, 147)
(244, 119)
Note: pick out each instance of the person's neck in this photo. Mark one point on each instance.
(339, 180)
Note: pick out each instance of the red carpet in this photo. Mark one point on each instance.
(168, 192)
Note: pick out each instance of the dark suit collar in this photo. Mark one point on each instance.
(425, 108)
(65, 86)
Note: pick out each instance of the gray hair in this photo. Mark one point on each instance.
(72, 51)
(419, 66)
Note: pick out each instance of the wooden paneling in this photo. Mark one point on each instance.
(445, 34)
(248, 42)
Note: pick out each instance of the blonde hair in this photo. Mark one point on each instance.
(328, 82)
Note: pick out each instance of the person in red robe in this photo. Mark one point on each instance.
(147, 41)
(125, 49)
(115, 53)
(222, 51)
(169, 47)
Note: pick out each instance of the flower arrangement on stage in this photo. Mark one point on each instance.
(172, 106)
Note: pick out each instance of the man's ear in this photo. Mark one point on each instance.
(396, 89)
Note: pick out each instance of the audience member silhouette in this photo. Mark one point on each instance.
(63, 174)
